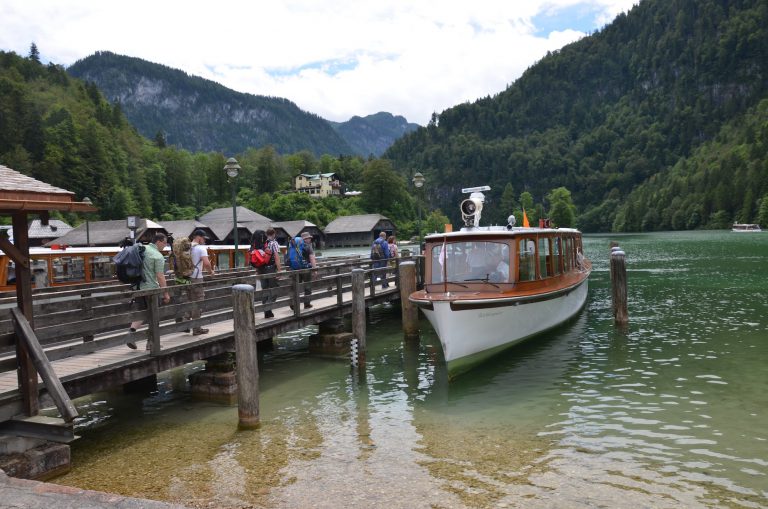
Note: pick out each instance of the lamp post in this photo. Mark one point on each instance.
(87, 224)
(418, 181)
(232, 169)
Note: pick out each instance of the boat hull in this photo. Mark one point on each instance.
(472, 331)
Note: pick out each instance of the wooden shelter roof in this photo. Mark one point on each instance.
(352, 224)
(244, 215)
(104, 233)
(19, 192)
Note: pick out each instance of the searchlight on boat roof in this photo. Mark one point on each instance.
(472, 207)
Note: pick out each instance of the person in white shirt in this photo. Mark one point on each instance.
(201, 265)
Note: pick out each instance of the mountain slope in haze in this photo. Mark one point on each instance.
(611, 115)
(200, 115)
(373, 134)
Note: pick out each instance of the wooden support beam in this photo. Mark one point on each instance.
(410, 312)
(247, 372)
(26, 335)
(619, 287)
(26, 368)
(358, 312)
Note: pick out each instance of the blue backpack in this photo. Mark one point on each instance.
(295, 257)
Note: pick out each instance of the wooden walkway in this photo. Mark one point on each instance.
(84, 332)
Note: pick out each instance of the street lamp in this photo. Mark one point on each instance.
(232, 169)
(87, 201)
(418, 181)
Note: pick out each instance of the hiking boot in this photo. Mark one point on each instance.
(269, 314)
(197, 332)
(308, 306)
(131, 345)
(131, 334)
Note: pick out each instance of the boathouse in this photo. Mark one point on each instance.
(107, 233)
(296, 228)
(185, 227)
(352, 231)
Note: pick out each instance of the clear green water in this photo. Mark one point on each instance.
(670, 412)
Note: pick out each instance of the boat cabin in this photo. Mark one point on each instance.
(500, 258)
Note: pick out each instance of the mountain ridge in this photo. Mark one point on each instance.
(198, 114)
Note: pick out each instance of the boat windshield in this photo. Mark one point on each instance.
(459, 262)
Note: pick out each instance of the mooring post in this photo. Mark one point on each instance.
(358, 311)
(619, 286)
(247, 373)
(407, 275)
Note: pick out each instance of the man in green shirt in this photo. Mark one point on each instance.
(153, 276)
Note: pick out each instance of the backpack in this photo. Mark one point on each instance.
(376, 252)
(260, 256)
(295, 257)
(128, 264)
(181, 258)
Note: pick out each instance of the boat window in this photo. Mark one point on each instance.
(470, 261)
(527, 262)
(568, 253)
(545, 260)
(39, 271)
(102, 267)
(557, 254)
(68, 269)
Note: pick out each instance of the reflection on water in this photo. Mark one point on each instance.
(668, 412)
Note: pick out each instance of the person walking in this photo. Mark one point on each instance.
(273, 265)
(379, 255)
(153, 276)
(202, 265)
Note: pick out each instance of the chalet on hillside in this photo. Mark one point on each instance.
(107, 233)
(318, 185)
(351, 231)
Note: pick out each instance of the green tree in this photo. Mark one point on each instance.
(384, 191)
(562, 211)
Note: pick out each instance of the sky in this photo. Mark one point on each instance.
(334, 58)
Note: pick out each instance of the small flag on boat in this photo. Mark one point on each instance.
(526, 224)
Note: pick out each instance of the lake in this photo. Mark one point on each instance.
(669, 412)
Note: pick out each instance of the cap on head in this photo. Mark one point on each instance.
(198, 233)
(306, 235)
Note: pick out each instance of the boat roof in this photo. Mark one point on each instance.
(496, 231)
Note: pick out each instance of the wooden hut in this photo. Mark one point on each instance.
(107, 233)
(21, 196)
(352, 231)
(296, 228)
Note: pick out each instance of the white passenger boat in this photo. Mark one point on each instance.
(488, 288)
(746, 228)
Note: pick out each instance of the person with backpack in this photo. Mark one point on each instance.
(265, 259)
(201, 264)
(379, 255)
(300, 256)
(153, 276)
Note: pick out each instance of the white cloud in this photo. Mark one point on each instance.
(335, 59)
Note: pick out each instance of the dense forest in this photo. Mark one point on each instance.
(655, 122)
(62, 130)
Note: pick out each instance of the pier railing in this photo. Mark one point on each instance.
(70, 323)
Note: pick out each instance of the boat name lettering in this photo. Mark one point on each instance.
(489, 314)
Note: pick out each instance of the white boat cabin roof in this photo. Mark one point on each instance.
(496, 231)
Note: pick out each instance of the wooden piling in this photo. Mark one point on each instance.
(247, 359)
(619, 287)
(410, 312)
(358, 311)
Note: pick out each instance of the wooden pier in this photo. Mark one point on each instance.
(83, 333)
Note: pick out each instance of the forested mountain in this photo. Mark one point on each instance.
(63, 131)
(373, 134)
(200, 115)
(654, 122)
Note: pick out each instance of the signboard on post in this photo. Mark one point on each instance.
(132, 222)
